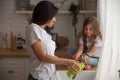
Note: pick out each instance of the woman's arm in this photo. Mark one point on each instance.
(42, 56)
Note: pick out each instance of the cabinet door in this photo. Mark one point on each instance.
(14, 68)
(90, 4)
(26, 68)
(11, 74)
(22, 5)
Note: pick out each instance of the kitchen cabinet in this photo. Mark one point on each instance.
(14, 65)
(14, 68)
(26, 6)
(22, 5)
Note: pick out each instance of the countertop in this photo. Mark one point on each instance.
(63, 53)
(22, 53)
(19, 53)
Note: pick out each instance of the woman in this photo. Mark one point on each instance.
(90, 43)
(41, 46)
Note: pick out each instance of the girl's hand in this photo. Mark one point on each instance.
(73, 65)
(85, 58)
(76, 57)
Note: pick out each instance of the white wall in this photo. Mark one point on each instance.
(9, 20)
(64, 27)
(16, 22)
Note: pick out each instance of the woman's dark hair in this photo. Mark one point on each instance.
(43, 12)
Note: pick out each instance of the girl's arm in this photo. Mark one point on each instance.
(97, 44)
(43, 56)
(90, 53)
(79, 52)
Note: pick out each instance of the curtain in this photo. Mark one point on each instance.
(108, 13)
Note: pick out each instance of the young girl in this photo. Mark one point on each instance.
(90, 42)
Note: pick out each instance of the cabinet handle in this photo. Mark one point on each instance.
(11, 71)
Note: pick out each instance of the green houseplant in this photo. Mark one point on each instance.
(74, 12)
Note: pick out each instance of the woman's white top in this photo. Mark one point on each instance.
(38, 68)
(98, 43)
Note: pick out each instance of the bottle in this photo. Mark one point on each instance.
(4, 40)
(12, 41)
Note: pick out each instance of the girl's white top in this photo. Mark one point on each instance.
(98, 43)
(38, 68)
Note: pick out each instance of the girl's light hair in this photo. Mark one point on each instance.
(96, 29)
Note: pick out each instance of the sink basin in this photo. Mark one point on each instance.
(84, 75)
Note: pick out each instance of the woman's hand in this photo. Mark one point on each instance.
(73, 65)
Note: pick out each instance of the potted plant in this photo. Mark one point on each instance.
(74, 12)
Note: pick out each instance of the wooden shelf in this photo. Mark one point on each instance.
(60, 12)
(24, 12)
(82, 11)
(88, 11)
